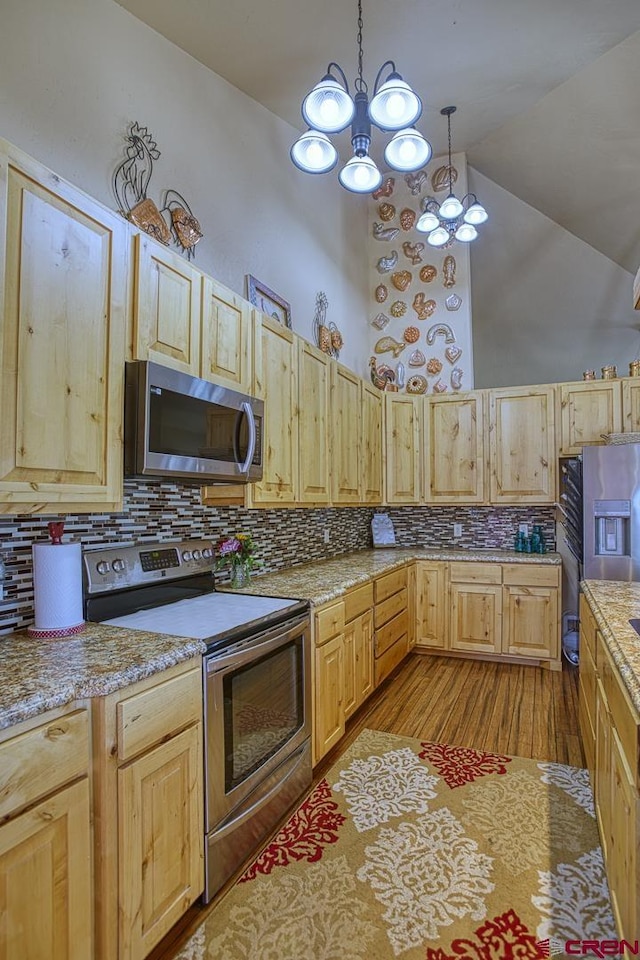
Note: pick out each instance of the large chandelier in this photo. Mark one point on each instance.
(329, 108)
(452, 219)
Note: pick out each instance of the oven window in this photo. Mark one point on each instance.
(184, 426)
(263, 709)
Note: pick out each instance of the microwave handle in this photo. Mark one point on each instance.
(248, 409)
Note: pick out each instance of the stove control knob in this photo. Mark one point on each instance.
(118, 566)
(103, 567)
(207, 553)
(196, 554)
(186, 555)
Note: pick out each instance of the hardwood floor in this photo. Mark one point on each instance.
(497, 707)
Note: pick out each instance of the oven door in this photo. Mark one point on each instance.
(257, 713)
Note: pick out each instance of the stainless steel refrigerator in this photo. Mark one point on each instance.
(611, 512)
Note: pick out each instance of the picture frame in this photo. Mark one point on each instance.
(268, 301)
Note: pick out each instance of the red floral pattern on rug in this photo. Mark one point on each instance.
(503, 938)
(312, 827)
(460, 765)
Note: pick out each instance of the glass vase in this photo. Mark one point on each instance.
(240, 576)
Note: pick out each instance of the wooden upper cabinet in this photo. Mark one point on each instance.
(402, 448)
(631, 405)
(166, 307)
(371, 450)
(522, 445)
(63, 275)
(586, 410)
(345, 435)
(314, 386)
(226, 345)
(276, 381)
(454, 449)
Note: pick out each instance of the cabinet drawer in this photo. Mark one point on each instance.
(468, 572)
(389, 583)
(39, 761)
(622, 712)
(390, 608)
(587, 627)
(386, 636)
(530, 575)
(358, 601)
(390, 659)
(329, 622)
(149, 717)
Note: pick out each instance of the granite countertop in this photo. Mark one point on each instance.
(39, 675)
(326, 580)
(613, 604)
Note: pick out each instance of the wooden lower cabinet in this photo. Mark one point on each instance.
(531, 611)
(328, 684)
(391, 622)
(358, 662)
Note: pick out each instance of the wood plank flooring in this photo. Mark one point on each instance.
(498, 707)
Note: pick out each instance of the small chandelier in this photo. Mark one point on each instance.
(452, 219)
(329, 108)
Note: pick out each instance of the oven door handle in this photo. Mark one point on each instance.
(256, 646)
(248, 409)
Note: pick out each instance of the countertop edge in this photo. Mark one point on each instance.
(627, 673)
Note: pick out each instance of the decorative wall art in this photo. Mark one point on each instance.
(267, 301)
(382, 233)
(385, 189)
(381, 293)
(381, 376)
(327, 335)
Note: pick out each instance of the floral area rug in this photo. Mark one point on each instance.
(426, 852)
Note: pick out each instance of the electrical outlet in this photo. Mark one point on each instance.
(326, 535)
(457, 530)
(524, 528)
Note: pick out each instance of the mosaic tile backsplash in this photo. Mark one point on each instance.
(171, 511)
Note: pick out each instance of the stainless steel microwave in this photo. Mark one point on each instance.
(179, 426)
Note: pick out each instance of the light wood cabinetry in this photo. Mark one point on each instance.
(522, 445)
(166, 318)
(587, 686)
(391, 622)
(432, 604)
(402, 446)
(63, 274)
(371, 477)
(585, 411)
(358, 647)
(226, 337)
(531, 611)
(631, 405)
(45, 840)
(148, 809)
(314, 427)
(346, 435)
(475, 615)
(329, 679)
(454, 450)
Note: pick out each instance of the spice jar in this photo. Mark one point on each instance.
(634, 368)
(609, 372)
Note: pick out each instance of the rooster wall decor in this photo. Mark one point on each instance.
(130, 184)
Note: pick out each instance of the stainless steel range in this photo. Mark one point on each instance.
(256, 676)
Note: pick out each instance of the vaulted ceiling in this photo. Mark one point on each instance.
(548, 91)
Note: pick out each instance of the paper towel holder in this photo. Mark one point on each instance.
(52, 628)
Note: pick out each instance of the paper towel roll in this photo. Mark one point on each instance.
(57, 587)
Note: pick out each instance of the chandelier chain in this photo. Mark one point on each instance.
(449, 137)
(360, 84)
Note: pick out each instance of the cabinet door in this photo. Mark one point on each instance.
(604, 776)
(364, 657)
(631, 405)
(530, 622)
(522, 445)
(314, 385)
(62, 343)
(431, 604)
(160, 841)
(276, 381)
(328, 727)
(351, 632)
(402, 448)
(372, 413)
(226, 343)
(454, 449)
(587, 410)
(167, 307)
(345, 438)
(476, 617)
(622, 860)
(45, 880)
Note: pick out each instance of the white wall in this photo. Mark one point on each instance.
(74, 73)
(546, 305)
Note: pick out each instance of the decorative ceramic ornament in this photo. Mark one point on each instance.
(387, 211)
(441, 178)
(386, 264)
(324, 338)
(415, 181)
(147, 217)
(417, 359)
(413, 251)
(440, 329)
(380, 232)
(417, 384)
(411, 335)
(401, 280)
(398, 308)
(452, 354)
(449, 270)
(434, 366)
(382, 375)
(381, 321)
(423, 307)
(453, 302)
(337, 341)
(385, 189)
(400, 373)
(440, 387)
(456, 378)
(381, 293)
(428, 273)
(407, 218)
(389, 345)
